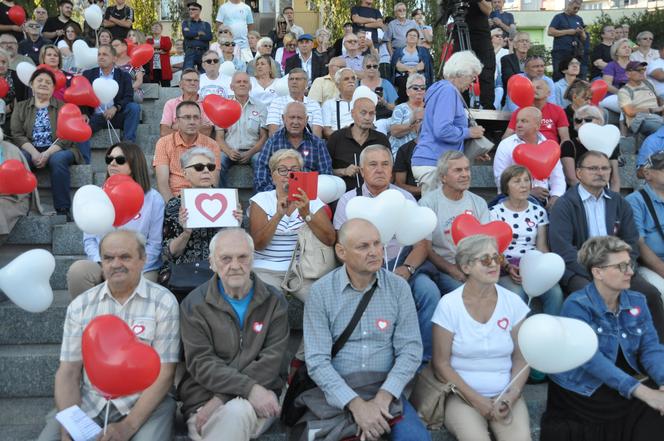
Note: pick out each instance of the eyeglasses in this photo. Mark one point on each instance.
(596, 168)
(418, 88)
(224, 31)
(285, 171)
(119, 160)
(486, 260)
(623, 267)
(227, 44)
(498, 36)
(645, 38)
(655, 160)
(200, 166)
(281, 22)
(582, 120)
(211, 61)
(36, 26)
(371, 66)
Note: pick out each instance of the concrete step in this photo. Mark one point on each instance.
(21, 327)
(62, 264)
(67, 239)
(34, 229)
(80, 175)
(28, 370)
(241, 177)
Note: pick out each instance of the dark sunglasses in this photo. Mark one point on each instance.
(418, 88)
(213, 61)
(119, 160)
(371, 66)
(582, 120)
(200, 167)
(229, 44)
(487, 259)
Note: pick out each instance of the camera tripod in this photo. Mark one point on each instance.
(457, 27)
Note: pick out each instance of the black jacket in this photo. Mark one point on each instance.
(125, 89)
(317, 66)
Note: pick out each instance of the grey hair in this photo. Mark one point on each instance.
(294, 103)
(209, 51)
(595, 251)
(531, 109)
(616, 44)
(299, 70)
(460, 64)
(643, 34)
(397, 5)
(141, 241)
(196, 151)
(589, 110)
(340, 72)
(263, 41)
(320, 31)
(240, 72)
(225, 40)
(375, 148)
(443, 164)
(469, 247)
(282, 154)
(519, 35)
(369, 57)
(227, 231)
(414, 77)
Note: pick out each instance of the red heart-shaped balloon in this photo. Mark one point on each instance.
(60, 79)
(130, 46)
(80, 92)
(126, 196)
(4, 87)
(116, 362)
(141, 54)
(71, 125)
(476, 88)
(521, 91)
(15, 178)
(466, 225)
(599, 88)
(17, 15)
(539, 159)
(221, 111)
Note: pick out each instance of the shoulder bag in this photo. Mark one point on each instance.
(651, 209)
(311, 259)
(428, 397)
(474, 147)
(302, 382)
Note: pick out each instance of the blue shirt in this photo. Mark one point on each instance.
(563, 22)
(313, 150)
(192, 39)
(652, 144)
(645, 224)
(239, 306)
(595, 209)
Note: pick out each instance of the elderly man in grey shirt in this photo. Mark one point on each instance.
(386, 341)
(395, 35)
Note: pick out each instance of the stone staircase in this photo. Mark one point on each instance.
(29, 343)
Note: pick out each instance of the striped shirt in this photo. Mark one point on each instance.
(277, 254)
(151, 312)
(386, 339)
(276, 109)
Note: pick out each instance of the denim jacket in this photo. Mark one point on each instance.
(631, 329)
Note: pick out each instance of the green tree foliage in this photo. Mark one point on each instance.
(652, 21)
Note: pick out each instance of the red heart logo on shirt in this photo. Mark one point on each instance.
(635, 311)
(382, 324)
(503, 323)
(257, 327)
(138, 329)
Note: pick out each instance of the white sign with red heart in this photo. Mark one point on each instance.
(210, 207)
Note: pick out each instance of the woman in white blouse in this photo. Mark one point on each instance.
(262, 84)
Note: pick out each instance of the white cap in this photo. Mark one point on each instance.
(363, 92)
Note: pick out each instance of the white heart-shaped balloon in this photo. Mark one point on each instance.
(84, 56)
(25, 280)
(105, 89)
(24, 71)
(280, 86)
(599, 138)
(416, 223)
(540, 271)
(93, 16)
(556, 344)
(380, 211)
(93, 210)
(328, 188)
(227, 68)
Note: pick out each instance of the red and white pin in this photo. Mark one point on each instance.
(257, 327)
(503, 323)
(635, 311)
(138, 329)
(382, 324)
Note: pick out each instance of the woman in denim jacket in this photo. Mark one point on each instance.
(604, 399)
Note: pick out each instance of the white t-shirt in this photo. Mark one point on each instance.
(265, 96)
(329, 110)
(236, 16)
(524, 227)
(652, 66)
(220, 86)
(277, 255)
(481, 352)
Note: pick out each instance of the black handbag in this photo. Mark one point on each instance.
(182, 278)
(302, 382)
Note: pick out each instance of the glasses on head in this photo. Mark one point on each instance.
(119, 160)
(596, 168)
(211, 61)
(486, 259)
(371, 66)
(228, 44)
(285, 171)
(582, 120)
(418, 88)
(199, 167)
(623, 267)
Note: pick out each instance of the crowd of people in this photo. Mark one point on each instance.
(367, 109)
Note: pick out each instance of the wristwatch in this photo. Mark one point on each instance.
(410, 268)
(307, 218)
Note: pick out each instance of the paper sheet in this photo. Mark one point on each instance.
(80, 426)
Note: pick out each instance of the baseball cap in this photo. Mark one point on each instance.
(634, 65)
(305, 37)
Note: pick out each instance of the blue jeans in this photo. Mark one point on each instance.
(552, 300)
(426, 296)
(443, 281)
(410, 428)
(126, 119)
(58, 165)
(227, 163)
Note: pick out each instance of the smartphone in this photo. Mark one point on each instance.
(308, 181)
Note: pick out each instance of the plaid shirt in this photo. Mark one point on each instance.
(151, 311)
(313, 150)
(386, 339)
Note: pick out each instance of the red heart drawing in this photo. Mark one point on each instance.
(116, 361)
(382, 324)
(467, 225)
(257, 327)
(15, 178)
(221, 111)
(503, 323)
(138, 329)
(201, 198)
(80, 92)
(71, 125)
(635, 311)
(540, 159)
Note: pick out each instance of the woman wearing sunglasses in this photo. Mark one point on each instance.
(124, 158)
(617, 395)
(288, 50)
(227, 46)
(573, 149)
(475, 347)
(404, 125)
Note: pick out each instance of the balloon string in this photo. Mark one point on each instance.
(108, 406)
(114, 131)
(110, 136)
(396, 261)
(385, 257)
(500, 395)
(530, 299)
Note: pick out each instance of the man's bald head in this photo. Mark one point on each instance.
(353, 228)
(528, 122)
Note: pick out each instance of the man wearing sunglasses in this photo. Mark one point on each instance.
(212, 82)
(197, 36)
(639, 102)
(590, 209)
(33, 42)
